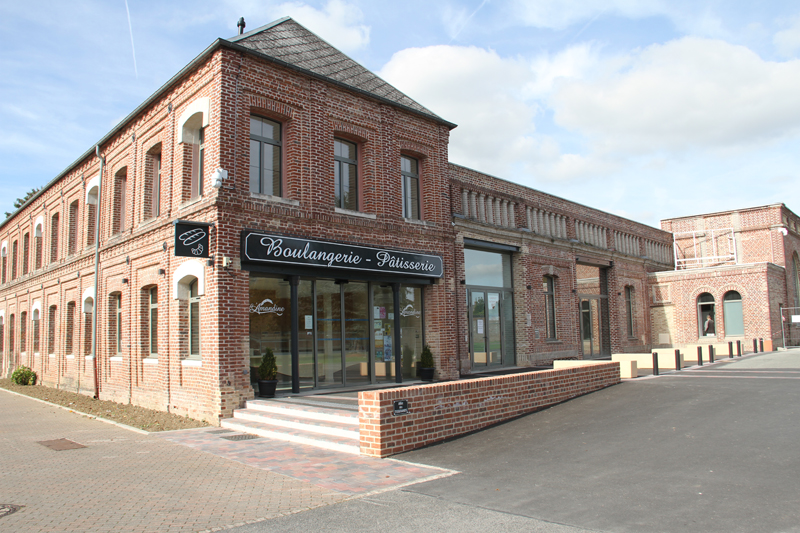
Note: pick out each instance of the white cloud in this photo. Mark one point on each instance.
(338, 22)
(686, 94)
(787, 41)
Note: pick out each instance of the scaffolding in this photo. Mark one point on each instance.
(704, 248)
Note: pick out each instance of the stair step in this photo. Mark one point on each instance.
(329, 442)
(298, 422)
(338, 415)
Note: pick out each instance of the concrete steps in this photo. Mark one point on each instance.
(324, 422)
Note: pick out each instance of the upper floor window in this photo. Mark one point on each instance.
(193, 123)
(265, 156)
(3, 254)
(26, 246)
(120, 200)
(37, 239)
(409, 172)
(152, 185)
(72, 243)
(198, 153)
(54, 238)
(345, 174)
(14, 260)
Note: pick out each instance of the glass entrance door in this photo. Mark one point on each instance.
(591, 331)
(486, 319)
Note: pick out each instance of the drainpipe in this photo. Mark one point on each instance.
(97, 271)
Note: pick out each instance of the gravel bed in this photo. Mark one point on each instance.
(130, 415)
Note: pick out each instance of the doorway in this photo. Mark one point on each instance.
(491, 328)
(595, 331)
(591, 330)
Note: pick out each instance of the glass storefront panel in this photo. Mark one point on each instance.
(478, 329)
(329, 333)
(411, 329)
(270, 325)
(356, 333)
(487, 269)
(305, 302)
(383, 332)
(508, 329)
(493, 328)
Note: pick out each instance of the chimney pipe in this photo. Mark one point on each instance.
(240, 25)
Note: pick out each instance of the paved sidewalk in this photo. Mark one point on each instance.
(126, 481)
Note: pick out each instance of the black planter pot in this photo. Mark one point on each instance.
(266, 388)
(426, 374)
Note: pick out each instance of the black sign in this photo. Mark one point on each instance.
(191, 239)
(400, 407)
(264, 248)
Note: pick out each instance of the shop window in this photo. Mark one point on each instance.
(72, 242)
(150, 323)
(37, 245)
(51, 329)
(152, 183)
(23, 332)
(120, 197)
(706, 315)
(629, 307)
(69, 328)
(345, 174)
(54, 238)
(14, 260)
(35, 326)
(549, 288)
(26, 245)
(409, 173)
(732, 313)
(265, 156)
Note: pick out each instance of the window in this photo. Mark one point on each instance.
(26, 245)
(152, 178)
(152, 322)
(23, 332)
(91, 223)
(549, 288)
(14, 260)
(11, 334)
(409, 172)
(68, 330)
(265, 156)
(629, 310)
(345, 174)
(706, 316)
(115, 324)
(51, 330)
(35, 331)
(2, 334)
(5, 261)
(795, 275)
(198, 152)
(120, 197)
(73, 228)
(88, 317)
(54, 238)
(732, 313)
(194, 321)
(37, 239)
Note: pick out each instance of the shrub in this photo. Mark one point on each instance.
(24, 376)
(426, 358)
(269, 368)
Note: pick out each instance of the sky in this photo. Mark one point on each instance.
(647, 109)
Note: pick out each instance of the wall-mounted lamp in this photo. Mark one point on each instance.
(463, 282)
(161, 271)
(784, 231)
(125, 280)
(529, 287)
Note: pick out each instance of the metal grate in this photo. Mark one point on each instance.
(220, 431)
(240, 437)
(9, 508)
(61, 444)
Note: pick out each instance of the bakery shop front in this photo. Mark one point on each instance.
(335, 315)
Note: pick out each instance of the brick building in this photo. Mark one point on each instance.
(735, 273)
(276, 194)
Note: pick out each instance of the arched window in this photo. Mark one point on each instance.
(706, 316)
(193, 122)
(115, 323)
(120, 200)
(152, 183)
(51, 330)
(733, 315)
(72, 243)
(54, 238)
(35, 325)
(23, 332)
(37, 240)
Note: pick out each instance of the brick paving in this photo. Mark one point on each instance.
(124, 481)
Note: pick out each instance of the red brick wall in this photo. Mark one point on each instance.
(443, 410)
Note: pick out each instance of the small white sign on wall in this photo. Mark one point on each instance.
(795, 318)
(480, 326)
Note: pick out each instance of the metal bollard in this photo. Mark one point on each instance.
(755, 345)
(761, 344)
(739, 348)
(699, 356)
(677, 360)
(730, 349)
(655, 363)
(710, 353)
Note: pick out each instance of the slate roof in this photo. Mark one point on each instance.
(291, 43)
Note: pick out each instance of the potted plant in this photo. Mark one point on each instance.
(267, 374)
(426, 366)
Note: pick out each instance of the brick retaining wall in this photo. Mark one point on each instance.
(442, 410)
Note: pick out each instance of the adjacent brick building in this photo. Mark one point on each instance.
(274, 194)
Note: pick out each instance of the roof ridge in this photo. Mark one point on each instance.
(260, 29)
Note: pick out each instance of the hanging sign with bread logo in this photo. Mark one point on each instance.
(191, 239)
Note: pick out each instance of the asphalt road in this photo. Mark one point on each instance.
(708, 450)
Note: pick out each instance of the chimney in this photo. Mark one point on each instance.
(240, 25)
